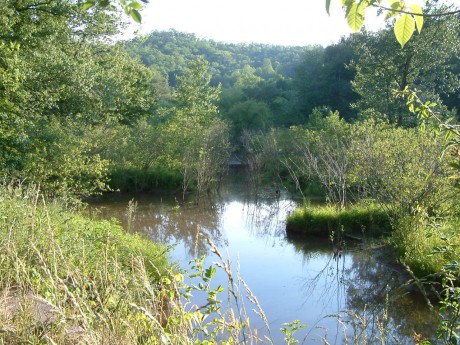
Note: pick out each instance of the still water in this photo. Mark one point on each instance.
(293, 279)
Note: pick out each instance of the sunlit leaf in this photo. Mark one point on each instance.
(355, 17)
(87, 5)
(404, 28)
(416, 9)
(136, 5)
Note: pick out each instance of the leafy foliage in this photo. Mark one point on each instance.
(61, 78)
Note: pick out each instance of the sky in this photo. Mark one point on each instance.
(280, 22)
(285, 22)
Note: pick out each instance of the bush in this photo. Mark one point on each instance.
(421, 243)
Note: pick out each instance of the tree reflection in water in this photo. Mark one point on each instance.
(164, 220)
(372, 298)
(378, 289)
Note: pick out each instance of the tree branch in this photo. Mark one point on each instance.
(428, 15)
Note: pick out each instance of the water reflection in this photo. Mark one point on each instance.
(371, 297)
(292, 278)
(376, 287)
(164, 220)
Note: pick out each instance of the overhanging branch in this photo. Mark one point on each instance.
(428, 15)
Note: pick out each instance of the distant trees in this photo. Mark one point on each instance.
(257, 76)
(324, 79)
(171, 52)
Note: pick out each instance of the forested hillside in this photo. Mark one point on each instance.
(262, 85)
(170, 52)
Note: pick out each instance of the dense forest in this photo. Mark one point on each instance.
(360, 122)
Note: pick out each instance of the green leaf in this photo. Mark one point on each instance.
(328, 6)
(355, 17)
(103, 3)
(210, 272)
(136, 15)
(87, 5)
(416, 9)
(136, 5)
(404, 29)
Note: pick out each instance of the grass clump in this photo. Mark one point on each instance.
(323, 220)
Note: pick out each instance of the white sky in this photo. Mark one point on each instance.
(286, 22)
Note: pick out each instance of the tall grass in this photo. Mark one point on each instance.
(65, 279)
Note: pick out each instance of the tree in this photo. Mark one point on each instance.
(195, 138)
(249, 115)
(425, 63)
(60, 77)
(130, 7)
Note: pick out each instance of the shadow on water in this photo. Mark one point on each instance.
(293, 278)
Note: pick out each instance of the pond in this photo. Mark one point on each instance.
(335, 295)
